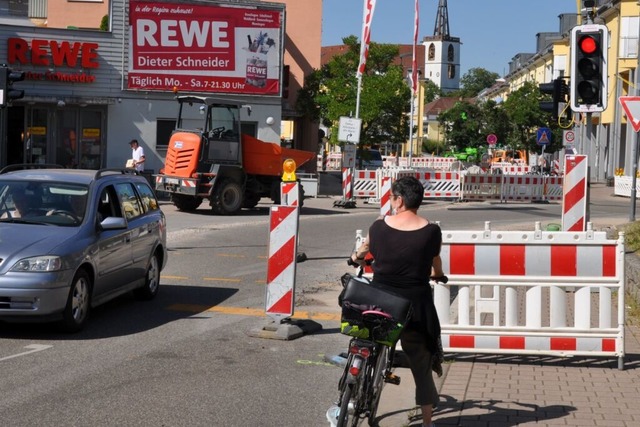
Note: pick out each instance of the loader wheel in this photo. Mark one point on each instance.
(186, 203)
(227, 198)
(251, 200)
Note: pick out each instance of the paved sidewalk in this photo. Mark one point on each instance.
(492, 390)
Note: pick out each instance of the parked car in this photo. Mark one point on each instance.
(73, 239)
(368, 159)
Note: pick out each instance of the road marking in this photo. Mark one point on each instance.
(232, 255)
(34, 348)
(242, 311)
(221, 279)
(175, 277)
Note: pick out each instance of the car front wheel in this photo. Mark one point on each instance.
(76, 312)
(152, 281)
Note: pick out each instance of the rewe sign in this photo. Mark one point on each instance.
(205, 47)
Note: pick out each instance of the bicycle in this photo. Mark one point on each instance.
(369, 364)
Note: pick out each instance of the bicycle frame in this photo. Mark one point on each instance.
(368, 366)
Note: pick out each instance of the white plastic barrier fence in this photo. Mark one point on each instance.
(333, 161)
(533, 188)
(365, 183)
(440, 184)
(516, 187)
(437, 163)
(481, 187)
(550, 293)
(622, 186)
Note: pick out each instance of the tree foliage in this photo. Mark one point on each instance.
(330, 93)
(475, 81)
(515, 122)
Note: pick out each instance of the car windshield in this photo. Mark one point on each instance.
(53, 203)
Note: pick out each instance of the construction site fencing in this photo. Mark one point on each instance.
(532, 292)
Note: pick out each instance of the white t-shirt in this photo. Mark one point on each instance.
(137, 154)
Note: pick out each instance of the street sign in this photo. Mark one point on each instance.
(349, 130)
(349, 156)
(568, 137)
(492, 139)
(543, 136)
(631, 107)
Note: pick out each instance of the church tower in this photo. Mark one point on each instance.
(442, 53)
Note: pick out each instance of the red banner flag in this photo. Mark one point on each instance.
(367, 16)
(414, 63)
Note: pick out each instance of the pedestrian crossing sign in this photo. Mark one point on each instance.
(543, 136)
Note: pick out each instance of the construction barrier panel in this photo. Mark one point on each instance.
(347, 179)
(481, 187)
(622, 186)
(523, 187)
(532, 292)
(440, 185)
(365, 183)
(281, 265)
(574, 201)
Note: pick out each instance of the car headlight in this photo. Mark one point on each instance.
(38, 263)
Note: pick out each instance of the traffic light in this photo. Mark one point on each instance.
(589, 44)
(7, 92)
(558, 90)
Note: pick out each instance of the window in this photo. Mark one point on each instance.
(149, 202)
(451, 54)
(629, 37)
(432, 52)
(129, 201)
(451, 71)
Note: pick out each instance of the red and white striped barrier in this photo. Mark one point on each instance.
(347, 193)
(440, 185)
(281, 265)
(571, 283)
(290, 193)
(553, 188)
(385, 196)
(574, 201)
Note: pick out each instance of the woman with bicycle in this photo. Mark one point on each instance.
(406, 252)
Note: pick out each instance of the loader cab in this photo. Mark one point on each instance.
(218, 124)
(223, 134)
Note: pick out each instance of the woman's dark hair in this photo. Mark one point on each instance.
(411, 190)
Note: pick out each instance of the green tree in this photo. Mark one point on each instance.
(474, 81)
(431, 91)
(462, 125)
(330, 93)
(526, 117)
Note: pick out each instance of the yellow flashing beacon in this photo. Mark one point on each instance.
(289, 170)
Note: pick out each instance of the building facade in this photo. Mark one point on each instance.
(89, 91)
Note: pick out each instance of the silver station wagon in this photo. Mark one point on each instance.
(73, 239)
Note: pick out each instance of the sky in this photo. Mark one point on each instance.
(492, 32)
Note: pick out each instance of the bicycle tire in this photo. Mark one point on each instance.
(377, 382)
(343, 416)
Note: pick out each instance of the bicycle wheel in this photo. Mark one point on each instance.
(343, 416)
(377, 381)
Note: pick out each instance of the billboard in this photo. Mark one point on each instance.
(205, 48)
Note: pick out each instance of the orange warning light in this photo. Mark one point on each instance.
(289, 170)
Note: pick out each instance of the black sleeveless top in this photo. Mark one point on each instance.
(402, 263)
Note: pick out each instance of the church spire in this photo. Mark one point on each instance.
(442, 21)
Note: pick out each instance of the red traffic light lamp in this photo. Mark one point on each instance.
(588, 90)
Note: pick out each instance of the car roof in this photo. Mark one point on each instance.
(75, 176)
